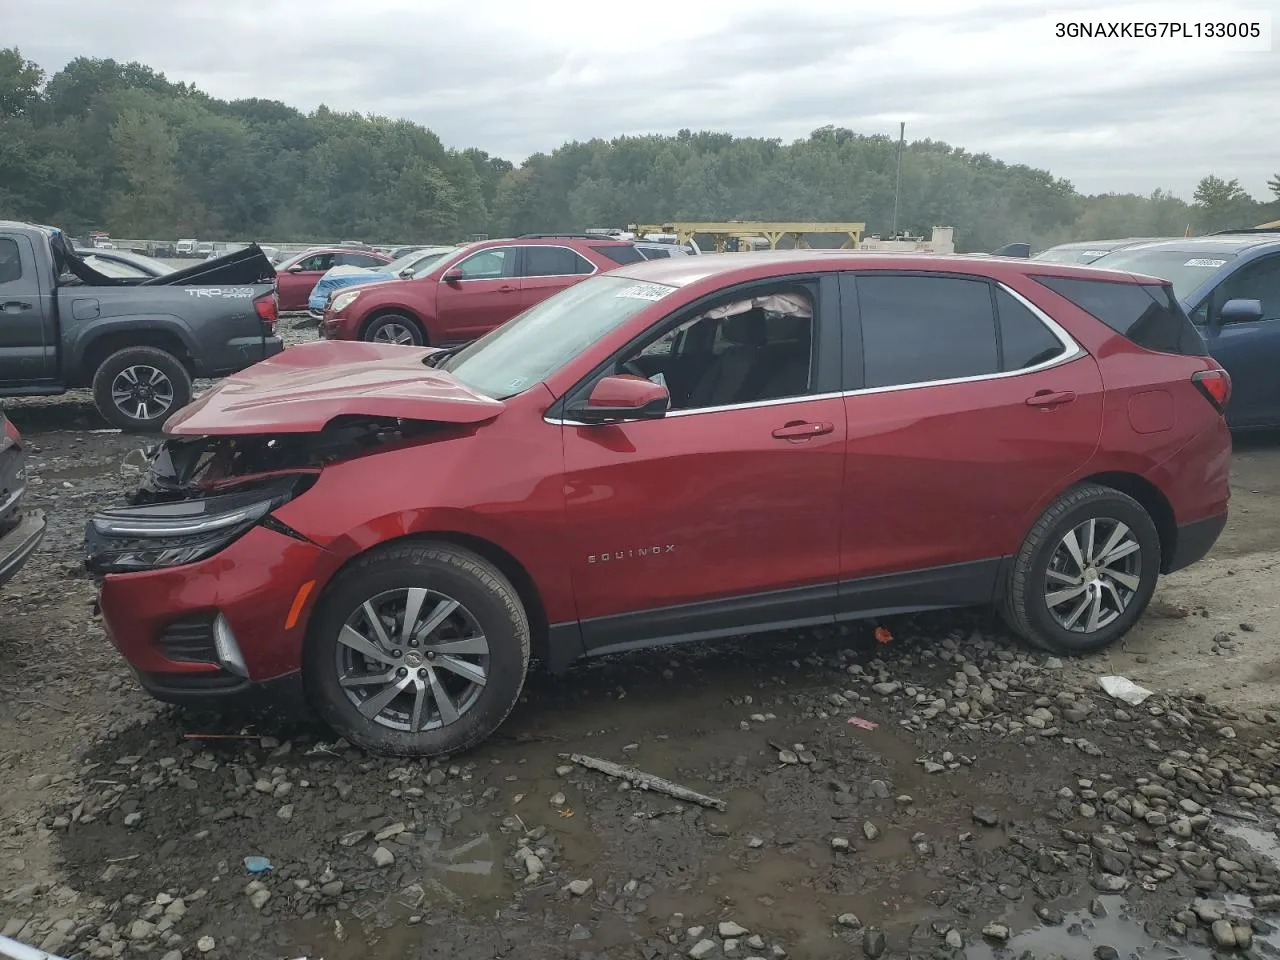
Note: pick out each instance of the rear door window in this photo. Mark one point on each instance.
(1145, 314)
(553, 262)
(920, 329)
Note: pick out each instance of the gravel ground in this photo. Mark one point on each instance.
(989, 802)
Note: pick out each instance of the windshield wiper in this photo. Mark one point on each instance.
(435, 359)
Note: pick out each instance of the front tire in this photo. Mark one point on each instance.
(417, 650)
(138, 388)
(395, 328)
(1085, 572)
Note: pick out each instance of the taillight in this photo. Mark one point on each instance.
(11, 431)
(268, 308)
(1215, 385)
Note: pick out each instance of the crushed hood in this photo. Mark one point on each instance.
(307, 386)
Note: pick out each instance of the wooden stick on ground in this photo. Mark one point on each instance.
(645, 781)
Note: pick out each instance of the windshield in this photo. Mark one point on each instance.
(549, 334)
(424, 265)
(1185, 269)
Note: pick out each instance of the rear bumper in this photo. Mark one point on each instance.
(1194, 541)
(20, 542)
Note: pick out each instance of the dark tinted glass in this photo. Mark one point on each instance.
(918, 329)
(650, 253)
(622, 253)
(1258, 281)
(1146, 314)
(10, 262)
(549, 262)
(1024, 340)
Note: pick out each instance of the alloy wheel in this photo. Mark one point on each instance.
(412, 659)
(393, 332)
(142, 392)
(1093, 575)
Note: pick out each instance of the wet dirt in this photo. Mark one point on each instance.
(963, 807)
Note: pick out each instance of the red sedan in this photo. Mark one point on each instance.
(296, 276)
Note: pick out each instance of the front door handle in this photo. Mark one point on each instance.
(1050, 398)
(507, 288)
(15, 304)
(802, 430)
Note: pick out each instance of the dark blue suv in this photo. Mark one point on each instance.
(1229, 284)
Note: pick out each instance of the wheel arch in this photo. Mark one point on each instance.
(94, 351)
(1152, 500)
(506, 563)
(389, 310)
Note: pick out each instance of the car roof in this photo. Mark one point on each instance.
(763, 264)
(1217, 243)
(1099, 244)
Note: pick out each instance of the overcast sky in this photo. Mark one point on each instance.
(516, 76)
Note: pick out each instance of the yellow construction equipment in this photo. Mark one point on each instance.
(752, 234)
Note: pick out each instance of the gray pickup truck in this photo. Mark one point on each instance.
(138, 342)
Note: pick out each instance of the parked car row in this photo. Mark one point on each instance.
(390, 533)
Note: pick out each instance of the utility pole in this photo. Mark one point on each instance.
(902, 135)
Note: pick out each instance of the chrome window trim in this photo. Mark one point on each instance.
(1072, 351)
(551, 276)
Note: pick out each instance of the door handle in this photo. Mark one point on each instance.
(507, 288)
(1050, 398)
(800, 430)
(16, 304)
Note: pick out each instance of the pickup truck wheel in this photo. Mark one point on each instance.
(138, 388)
(418, 649)
(395, 328)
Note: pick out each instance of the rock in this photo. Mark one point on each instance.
(996, 931)
(1227, 733)
(352, 838)
(332, 889)
(580, 888)
(533, 865)
(1109, 883)
(986, 816)
(870, 831)
(887, 688)
(382, 857)
(731, 929)
(145, 930)
(558, 800)
(206, 944)
(386, 833)
(788, 757)
(1224, 935)
(435, 777)
(701, 949)
(873, 942)
(1103, 952)
(132, 819)
(579, 932)
(172, 955)
(285, 813)
(954, 940)
(258, 899)
(849, 920)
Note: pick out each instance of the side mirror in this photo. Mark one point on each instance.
(1240, 311)
(452, 275)
(296, 268)
(623, 397)
(406, 274)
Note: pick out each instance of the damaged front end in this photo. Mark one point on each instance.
(201, 494)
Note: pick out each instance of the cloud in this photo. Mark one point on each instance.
(517, 78)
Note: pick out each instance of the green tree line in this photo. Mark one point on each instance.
(105, 145)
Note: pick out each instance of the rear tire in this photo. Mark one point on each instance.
(395, 328)
(1085, 572)
(138, 388)
(439, 687)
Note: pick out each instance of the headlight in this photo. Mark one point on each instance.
(130, 539)
(344, 300)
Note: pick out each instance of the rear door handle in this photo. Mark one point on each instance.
(801, 430)
(1051, 398)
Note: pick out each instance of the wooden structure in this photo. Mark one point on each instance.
(740, 234)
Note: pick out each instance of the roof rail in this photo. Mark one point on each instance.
(565, 236)
(1219, 233)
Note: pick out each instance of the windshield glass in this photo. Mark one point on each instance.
(1185, 269)
(424, 265)
(549, 334)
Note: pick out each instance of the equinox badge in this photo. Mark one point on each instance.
(629, 554)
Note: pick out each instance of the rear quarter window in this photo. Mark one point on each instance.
(1146, 314)
(619, 253)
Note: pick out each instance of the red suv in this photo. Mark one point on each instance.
(297, 276)
(674, 450)
(469, 293)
